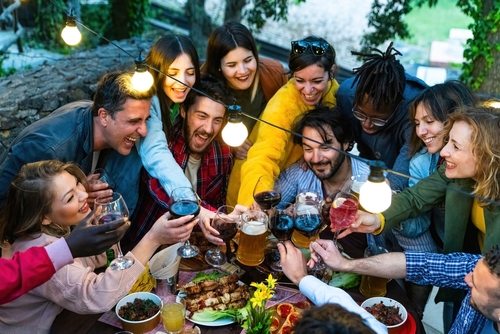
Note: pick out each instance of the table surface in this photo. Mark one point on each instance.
(69, 322)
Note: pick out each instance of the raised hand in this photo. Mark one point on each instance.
(365, 223)
(293, 262)
(328, 252)
(168, 231)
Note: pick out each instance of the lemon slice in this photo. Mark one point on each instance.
(338, 202)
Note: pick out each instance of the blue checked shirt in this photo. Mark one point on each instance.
(448, 271)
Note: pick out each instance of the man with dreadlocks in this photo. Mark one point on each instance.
(376, 101)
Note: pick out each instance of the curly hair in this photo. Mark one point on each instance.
(382, 77)
(439, 101)
(331, 319)
(30, 197)
(484, 124)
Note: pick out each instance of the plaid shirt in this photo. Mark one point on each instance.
(448, 271)
(213, 176)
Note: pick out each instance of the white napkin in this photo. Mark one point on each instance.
(165, 264)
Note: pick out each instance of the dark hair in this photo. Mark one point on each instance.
(211, 86)
(225, 39)
(381, 77)
(439, 100)
(297, 62)
(331, 319)
(322, 119)
(162, 54)
(114, 89)
(30, 197)
(492, 261)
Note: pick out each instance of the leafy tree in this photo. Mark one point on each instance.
(255, 12)
(128, 18)
(481, 71)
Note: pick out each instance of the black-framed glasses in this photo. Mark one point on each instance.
(317, 47)
(374, 120)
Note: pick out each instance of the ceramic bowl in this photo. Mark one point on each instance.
(142, 326)
(394, 329)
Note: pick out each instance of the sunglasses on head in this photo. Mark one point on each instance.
(318, 48)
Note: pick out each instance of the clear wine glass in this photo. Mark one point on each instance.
(282, 224)
(183, 202)
(227, 225)
(107, 210)
(267, 192)
(342, 213)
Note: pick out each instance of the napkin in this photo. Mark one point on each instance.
(165, 264)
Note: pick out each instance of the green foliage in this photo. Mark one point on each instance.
(8, 71)
(50, 20)
(128, 18)
(262, 10)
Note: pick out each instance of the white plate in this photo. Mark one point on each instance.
(215, 323)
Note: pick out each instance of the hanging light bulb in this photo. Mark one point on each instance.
(70, 34)
(142, 80)
(375, 194)
(235, 132)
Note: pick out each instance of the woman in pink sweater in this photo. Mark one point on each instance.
(44, 200)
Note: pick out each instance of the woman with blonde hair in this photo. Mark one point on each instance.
(45, 199)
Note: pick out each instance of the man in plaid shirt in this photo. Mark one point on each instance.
(480, 275)
(196, 146)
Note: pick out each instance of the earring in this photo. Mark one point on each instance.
(219, 69)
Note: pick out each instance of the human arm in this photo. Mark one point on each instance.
(294, 267)
(156, 156)
(241, 151)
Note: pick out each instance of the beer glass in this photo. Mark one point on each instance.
(253, 235)
(303, 199)
(173, 314)
(372, 286)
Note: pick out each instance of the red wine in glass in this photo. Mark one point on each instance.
(227, 230)
(282, 226)
(184, 208)
(227, 226)
(110, 217)
(267, 199)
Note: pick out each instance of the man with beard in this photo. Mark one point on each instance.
(205, 160)
(328, 171)
(476, 274)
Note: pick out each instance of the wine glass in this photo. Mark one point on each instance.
(342, 213)
(309, 222)
(183, 202)
(173, 314)
(282, 223)
(227, 225)
(305, 197)
(107, 210)
(267, 192)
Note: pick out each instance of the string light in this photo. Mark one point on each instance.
(70, 34)
(235, 132)
(142, 80)
(375, 194)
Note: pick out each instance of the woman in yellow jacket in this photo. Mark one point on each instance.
(312, 65)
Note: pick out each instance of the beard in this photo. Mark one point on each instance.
(334, 167)
(487, 310)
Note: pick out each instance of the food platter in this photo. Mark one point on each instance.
(285, 316)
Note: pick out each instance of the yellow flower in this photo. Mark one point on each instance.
(271, 282)
(256, 302)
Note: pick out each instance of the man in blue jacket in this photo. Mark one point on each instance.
(87, 133)
(376, 101)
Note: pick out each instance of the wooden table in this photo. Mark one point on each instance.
(69, 322)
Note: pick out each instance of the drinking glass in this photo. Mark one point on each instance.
(107, 210)
(183, 202)
(342, 213)
(173, 314)
(104, 177)
(227, 225)
(305, 198)
(267, 192)
(281, 224)
(253, 235)
(372, 286)
(309, 222)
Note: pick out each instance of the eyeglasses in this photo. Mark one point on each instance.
(375, 121)
(318, 48)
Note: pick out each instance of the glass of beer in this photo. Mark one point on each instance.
(173, 314)
(304, 199)
(372, 286)
(253, 235)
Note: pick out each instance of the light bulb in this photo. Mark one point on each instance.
(234, 134)
(142, 80)
(71, 35)
(375, 196)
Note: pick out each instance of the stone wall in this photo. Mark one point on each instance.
(27, 96)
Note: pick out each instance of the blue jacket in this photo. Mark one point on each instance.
(391, 143)
(67, 135)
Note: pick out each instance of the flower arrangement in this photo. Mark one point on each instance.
(259, 319)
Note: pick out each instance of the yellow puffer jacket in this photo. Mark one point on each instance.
(273, 149)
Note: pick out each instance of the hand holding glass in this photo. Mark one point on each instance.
(309, 222)
(104, 177)
(227, 226)
(281, 224)
(342, 213)
(183, 202)
(108, 209)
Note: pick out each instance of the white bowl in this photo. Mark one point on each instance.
(388, 302)
(142, 326)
